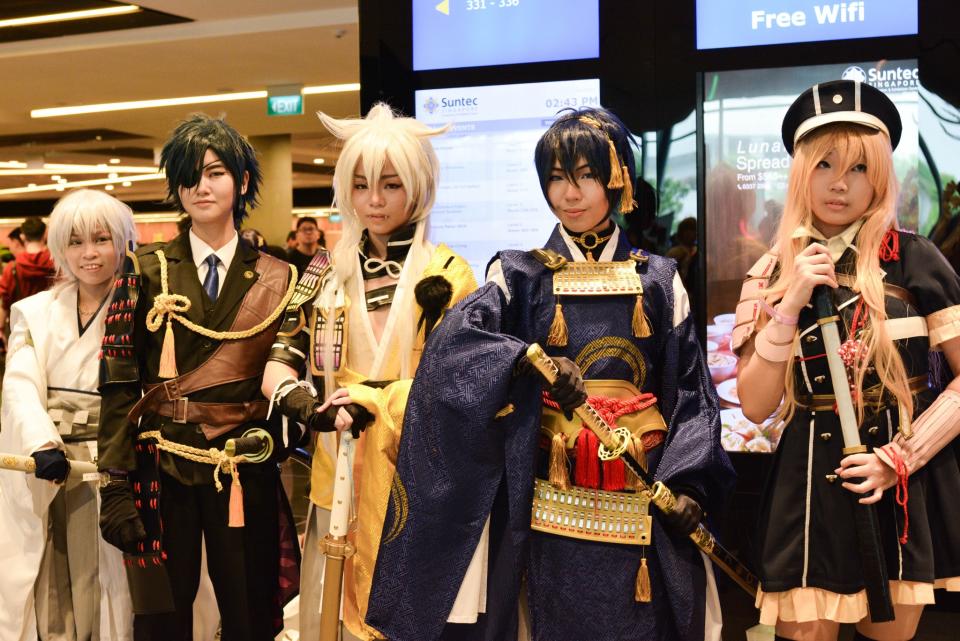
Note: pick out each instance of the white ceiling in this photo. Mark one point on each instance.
(232, 45)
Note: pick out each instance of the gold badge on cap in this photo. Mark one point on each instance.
(248, 274)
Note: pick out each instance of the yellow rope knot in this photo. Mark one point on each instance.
(166, 305)
(222, 464)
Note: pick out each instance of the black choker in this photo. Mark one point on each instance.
(398, 246)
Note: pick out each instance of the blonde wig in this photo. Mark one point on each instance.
(85, 212)
(368, 143)
(853, 144)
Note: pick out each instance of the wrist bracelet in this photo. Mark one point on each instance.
(776, 315)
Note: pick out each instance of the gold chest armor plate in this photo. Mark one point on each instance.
(597, 279)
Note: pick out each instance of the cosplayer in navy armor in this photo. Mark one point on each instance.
(59, 580)
(479, 434)
(360, 328)
(897, 299)
(188, 333)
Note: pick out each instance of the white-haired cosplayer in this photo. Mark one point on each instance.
(59, 578)
(361, 326)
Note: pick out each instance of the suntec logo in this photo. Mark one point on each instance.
(854, 73)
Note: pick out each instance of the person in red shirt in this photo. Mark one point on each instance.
(30, 273)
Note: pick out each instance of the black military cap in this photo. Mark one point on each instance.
(840, 101)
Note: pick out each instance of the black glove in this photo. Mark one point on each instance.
(120, 522)
(300, 406)
(361, 418)
(685, 516)
(567, 390)
(52, 465)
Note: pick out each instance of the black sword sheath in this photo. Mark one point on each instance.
(865, 516)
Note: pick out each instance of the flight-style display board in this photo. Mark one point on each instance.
(475, 33)
(489, 196)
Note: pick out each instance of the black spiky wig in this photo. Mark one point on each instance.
(569, 138)
(182, 160)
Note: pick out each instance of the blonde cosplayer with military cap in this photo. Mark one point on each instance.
(896, 301)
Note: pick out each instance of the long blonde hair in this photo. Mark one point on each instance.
(367, 144)
(853, 144)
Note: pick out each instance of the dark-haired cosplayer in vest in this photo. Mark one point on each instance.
(481, 443)
(359, 329)
(188, 333)
(897, 300)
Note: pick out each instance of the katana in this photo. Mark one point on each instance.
(865, 516)
(77, 470)
(615, 442)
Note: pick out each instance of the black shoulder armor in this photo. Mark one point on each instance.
(118, 359)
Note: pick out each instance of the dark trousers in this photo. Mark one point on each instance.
(243, 562)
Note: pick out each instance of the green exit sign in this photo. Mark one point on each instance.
(285, 105)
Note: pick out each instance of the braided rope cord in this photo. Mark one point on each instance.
(212, 456)
(169, 307)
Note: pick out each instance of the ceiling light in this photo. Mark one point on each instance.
(85, 14)
(108, 187)
(114, 161)
(52, 112)
(31, 185)
(13, 164)
(81, 183)
(112, 174)
(318, 161)
(126, 183)
(55, 177)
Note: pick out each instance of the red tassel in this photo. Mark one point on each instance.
(586, 472)
(614, 475)
(890, 246)
(236, 503)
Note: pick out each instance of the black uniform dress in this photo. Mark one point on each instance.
(807, 534)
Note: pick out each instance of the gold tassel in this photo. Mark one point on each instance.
(235, 518)
(635, 448)
(616, 177)
(559, 472)
(557, 336)
(643, 593)
(626, 198)
(168, 355)
(640, 324)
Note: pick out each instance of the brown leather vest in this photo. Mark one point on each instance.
(233, 361)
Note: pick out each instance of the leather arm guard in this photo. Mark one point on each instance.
(932, 431)
(293, 341)
(118, 359)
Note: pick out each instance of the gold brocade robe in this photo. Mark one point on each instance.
(376, 452)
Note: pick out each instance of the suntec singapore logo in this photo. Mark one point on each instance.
(854, 73)
(431, 105)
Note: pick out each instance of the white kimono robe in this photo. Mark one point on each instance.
(46, 351)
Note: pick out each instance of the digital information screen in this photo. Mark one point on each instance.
(747, 169)
(476, 33)
(747, 23)
(489, 197)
